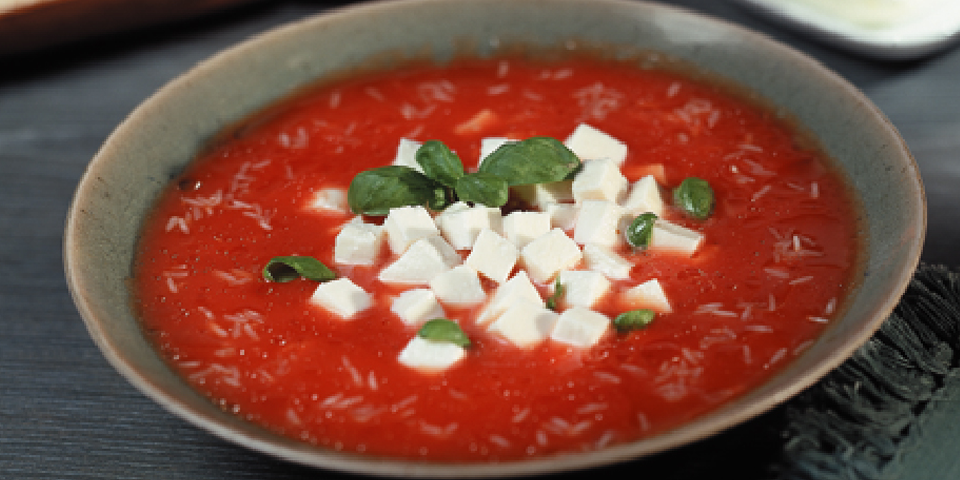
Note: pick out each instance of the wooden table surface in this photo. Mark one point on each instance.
(65, 413)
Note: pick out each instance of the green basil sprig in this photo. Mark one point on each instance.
(634, 319)
(439, 162)
(443, 330)
(695, 197)
(444, 181)
(483, 188)
(534, 160)
(287, 269)
(558, 291)
(376, 191)
(640, 230)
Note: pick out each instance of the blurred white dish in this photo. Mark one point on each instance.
(883, 29)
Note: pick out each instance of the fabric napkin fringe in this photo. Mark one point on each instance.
(856, 423)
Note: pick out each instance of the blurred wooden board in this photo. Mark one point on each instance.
(28, 25)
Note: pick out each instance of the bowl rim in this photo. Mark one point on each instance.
(704, 426)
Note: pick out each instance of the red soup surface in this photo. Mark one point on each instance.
(776, 262)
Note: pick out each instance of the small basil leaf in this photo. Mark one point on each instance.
(534, 160)
(376, 191)
(695, 197)
(483, 188)
(443, 330)
(442, 198)
(439, 162)
(558, 292)
(634, 319)
(286, 269)
(640, 230)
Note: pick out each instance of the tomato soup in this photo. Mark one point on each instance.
(777, 259)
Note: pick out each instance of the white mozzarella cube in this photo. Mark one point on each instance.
(583, 288)
(599, 222)
(525, 324)
(648, 294)
(417, 306)
(580, 327)
(589, 143)
(517, 289)
(460, 223)
(549, 253)
(599, 180)
(644, 197)
(540, 194)
(358, 244)
(330, 200)
(431, 355)
(459, 286)
(425, 259)
(341, 297)
(562, 215)
(406, 225)
(407, 154)
(493, 256)
(522, 227)
(606, 261)
(671, 237)
(489, 145)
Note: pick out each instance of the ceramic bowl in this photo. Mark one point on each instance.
(166, 131)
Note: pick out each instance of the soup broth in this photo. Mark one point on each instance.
(776, 260)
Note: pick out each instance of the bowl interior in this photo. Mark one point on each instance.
(163, 134)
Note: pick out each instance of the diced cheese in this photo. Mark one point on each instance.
(517, 289)
(460, 223)
(407, 154)
(604, 260)
(525, 324)
(341, 297)
(358, 244)
(416, 306)
(459, 286)
(331, 200)
(540, 194)
(599, 222)
(489, 145)
(406, 225)
(668, 236)
(549, 253)
(493, 256)
(583, 287)
(589, 143)
(425, 259)
(599, 180)
(580, 327)
(648, 294)
(430, 355)
(562, 215)
(522, 227)
(644, 197)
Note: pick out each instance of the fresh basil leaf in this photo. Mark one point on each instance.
(695, 197)
(558, 291)
(286, 269)
(534, 160)
(439, 162)
(640, 230)
(634, 319)
(443, 330)
(483, 188)
(443, 197)
(376, 191)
